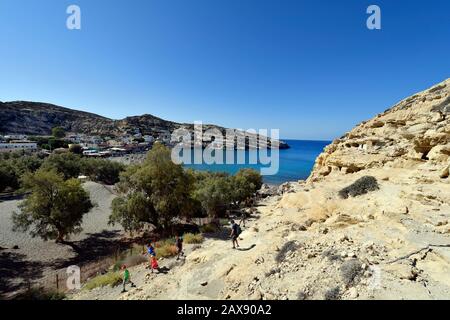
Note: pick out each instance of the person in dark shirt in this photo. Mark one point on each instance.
(179, 244)
(235, 231)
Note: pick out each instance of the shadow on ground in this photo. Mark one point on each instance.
(16, 272)
(94, 247)
(247, 248)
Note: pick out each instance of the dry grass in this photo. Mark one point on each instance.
(166, 248)
(193, 238)
(111, 278)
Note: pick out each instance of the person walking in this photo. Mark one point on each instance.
(126, 278)
(179, 244)
(154, 264)
(235, 232)
(150, 253)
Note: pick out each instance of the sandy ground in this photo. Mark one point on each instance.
(298, 246)
(35, 257)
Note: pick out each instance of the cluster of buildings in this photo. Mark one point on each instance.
(16, 142)
(95, 146)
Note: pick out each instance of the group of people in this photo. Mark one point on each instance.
(153, 261)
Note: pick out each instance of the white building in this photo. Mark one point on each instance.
(15, 137)
(18, 146)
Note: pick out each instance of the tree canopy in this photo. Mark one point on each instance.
(159, 191)
(55, 207)
(154, 192)
(58, 132)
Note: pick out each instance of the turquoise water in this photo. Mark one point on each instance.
(295, 163)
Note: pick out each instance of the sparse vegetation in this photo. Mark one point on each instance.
(333, 294)
(193, 238)
(285, 250)
(331, 255)
(350, 271)
(166, 248)
(359, 187)
(111, 279)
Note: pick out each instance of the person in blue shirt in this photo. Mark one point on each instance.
(150, 253)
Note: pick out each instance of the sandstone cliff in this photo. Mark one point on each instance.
(415, 132)
(392, 242)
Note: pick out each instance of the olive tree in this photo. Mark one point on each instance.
(55, 207)
(155, 192)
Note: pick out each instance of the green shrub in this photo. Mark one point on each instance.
(111, 278)
(102, 170)
(359, 187)
(193, 238)
(209, 228)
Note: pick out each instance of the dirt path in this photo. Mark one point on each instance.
(213, 260)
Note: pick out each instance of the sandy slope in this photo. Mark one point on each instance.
(392, 243)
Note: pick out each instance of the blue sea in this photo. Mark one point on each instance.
(295, 163)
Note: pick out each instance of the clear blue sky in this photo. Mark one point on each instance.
(310, 68)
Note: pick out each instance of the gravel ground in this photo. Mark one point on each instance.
(34, 253)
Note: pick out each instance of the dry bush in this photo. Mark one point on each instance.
(287, 248)
(359, 187)
(350, 271)
(333, 294)
(166, 248)
(193, 238)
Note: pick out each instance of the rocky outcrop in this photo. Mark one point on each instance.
(413, 132)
